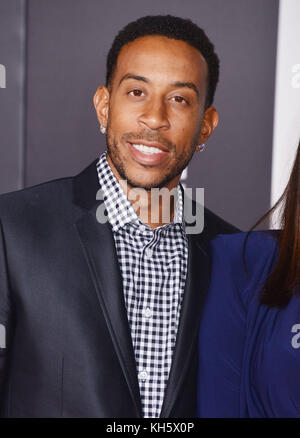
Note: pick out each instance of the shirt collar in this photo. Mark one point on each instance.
(119, 209)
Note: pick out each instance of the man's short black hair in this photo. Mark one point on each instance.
(170, 27)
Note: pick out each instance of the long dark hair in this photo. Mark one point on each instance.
(284, 280)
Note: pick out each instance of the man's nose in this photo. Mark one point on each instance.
(154, 115)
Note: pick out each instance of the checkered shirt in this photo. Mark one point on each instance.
(153, 264)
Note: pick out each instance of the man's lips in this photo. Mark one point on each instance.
(148, 159)
(150, 144)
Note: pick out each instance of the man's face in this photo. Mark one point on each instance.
(154, 110)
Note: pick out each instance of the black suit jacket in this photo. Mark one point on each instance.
(68, 345)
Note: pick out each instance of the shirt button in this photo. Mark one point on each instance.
(148, 253)
(143, 375)
(148, 312)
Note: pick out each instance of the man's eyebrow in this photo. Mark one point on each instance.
(136, 77)
(179, 84)
(190, 85)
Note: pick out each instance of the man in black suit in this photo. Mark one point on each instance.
(100, 311)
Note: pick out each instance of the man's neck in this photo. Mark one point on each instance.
(152, 208)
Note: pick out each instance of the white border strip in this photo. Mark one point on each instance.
(286, 130)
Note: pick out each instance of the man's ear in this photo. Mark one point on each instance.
(101, 104)
(209, 123)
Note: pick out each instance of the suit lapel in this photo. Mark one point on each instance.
(97, 243)
(197, 280)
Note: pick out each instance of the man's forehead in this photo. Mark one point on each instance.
(158, 53)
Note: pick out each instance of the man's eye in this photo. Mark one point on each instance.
(180, 99)
(135, 93)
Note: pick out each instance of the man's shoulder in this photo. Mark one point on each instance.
(46, 188)
(36, 197)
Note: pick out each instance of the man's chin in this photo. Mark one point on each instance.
(150, 183)
(145, 185)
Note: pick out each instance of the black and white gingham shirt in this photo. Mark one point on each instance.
(153, 265)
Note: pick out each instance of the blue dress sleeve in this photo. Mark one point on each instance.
(222, 331)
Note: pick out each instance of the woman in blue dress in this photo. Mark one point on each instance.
(249, 337)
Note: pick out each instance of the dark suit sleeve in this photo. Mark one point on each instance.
(5, 318)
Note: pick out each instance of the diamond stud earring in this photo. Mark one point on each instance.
(102, 129)
(201, 147)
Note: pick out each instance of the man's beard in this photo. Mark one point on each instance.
(181, 163)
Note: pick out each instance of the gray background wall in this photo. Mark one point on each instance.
(12, 99)
(55, 50)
